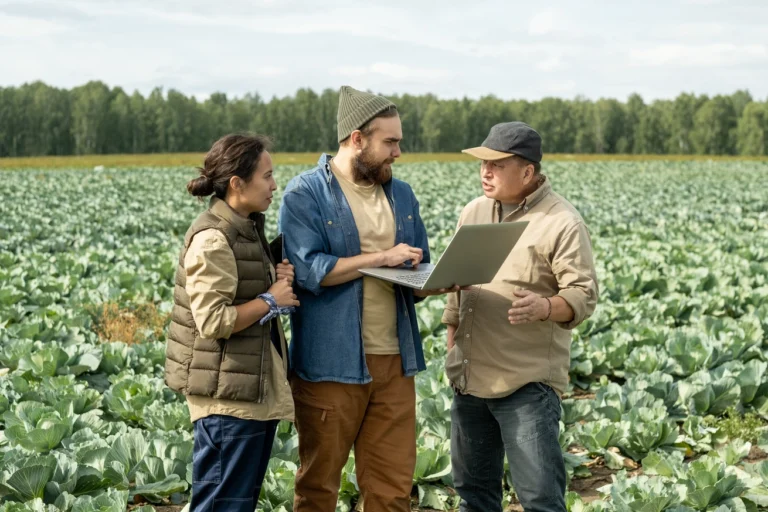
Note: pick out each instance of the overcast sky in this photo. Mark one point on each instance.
(593, 48)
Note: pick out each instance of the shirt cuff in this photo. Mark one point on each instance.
(321, 267)
(577, 299)
(228, 319)
(226, 316)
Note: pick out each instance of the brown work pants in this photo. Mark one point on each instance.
(378, 419)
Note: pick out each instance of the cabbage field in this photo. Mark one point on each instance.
(669, 378)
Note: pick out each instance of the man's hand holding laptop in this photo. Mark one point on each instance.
(441, 291)
(404, 254)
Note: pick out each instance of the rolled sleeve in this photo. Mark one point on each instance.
(574, 269)
(304, 239)
(451, 311)
(211, 271)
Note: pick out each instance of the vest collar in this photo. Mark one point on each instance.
(247, 227)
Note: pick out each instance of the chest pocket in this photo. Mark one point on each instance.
(406, 226)
(527, 262)
(335, 234)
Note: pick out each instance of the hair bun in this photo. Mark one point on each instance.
(201, 186)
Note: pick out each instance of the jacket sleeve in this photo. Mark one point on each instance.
(304, 239)
(211, 272)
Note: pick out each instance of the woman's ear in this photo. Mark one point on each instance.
(235, 183)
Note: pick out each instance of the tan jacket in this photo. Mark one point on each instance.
(493, 358)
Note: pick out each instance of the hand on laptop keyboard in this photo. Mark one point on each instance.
(403, 253)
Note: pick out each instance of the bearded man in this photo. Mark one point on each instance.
(356, 344)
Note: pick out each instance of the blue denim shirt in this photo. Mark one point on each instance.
(318, 228)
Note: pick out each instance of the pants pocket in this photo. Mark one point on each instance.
(312, 408)
(235, 428)
(542, 387)
(550, 399)
(206, 457)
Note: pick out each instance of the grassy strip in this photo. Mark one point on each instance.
(195, 159)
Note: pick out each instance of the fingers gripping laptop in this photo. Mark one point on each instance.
(473, 256)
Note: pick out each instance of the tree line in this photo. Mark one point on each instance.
(40, 120)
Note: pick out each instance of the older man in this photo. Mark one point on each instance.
(510, 340)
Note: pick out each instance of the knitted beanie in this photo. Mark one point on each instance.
(357, 108)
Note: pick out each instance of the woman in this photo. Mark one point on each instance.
(226, 349)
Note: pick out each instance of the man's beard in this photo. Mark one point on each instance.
(366, 168)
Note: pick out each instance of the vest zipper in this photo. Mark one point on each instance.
(262, 391)
(268, 279)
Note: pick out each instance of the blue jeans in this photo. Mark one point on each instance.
(229, 463)
(525, 425)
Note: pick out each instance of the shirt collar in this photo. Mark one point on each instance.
(531, 199)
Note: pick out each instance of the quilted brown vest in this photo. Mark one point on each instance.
(235, 368)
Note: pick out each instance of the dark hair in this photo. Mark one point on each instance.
(367, 130)
(231, 155)
(525, 162)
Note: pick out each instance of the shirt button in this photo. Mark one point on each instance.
(330, 223)
(470, 310)
(410, 217)
(466, 361)
(467, 336)
(285, 383)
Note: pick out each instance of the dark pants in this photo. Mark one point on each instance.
(229, 463)
(525, 425)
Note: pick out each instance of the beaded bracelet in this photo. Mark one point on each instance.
(549, 313)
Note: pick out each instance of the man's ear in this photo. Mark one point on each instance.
(356, 138)
(530, 173)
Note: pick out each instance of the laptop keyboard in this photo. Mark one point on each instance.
(412, 278)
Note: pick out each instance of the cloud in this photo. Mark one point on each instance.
(22, 27)
(450, 37)
(549, 64)
(709, 55)
(276, 47)
(542, 23)
(394, 71)
(699, 30)
(567, 86)
(270, 71)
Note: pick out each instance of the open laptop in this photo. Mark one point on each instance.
(473, 256)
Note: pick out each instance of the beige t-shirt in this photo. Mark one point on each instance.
(376, 226)
(211, 285)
